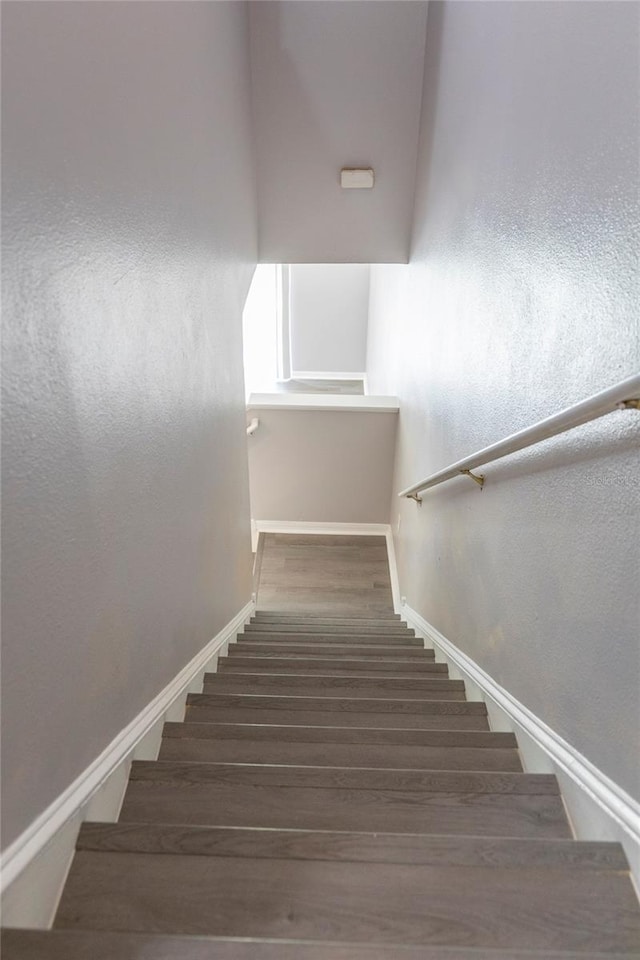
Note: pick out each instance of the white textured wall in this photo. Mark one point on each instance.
(522, 298)
(329, 315)
(336, 84)
(129, 238)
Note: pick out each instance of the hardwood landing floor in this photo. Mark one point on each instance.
(324, 574)
(332, 795)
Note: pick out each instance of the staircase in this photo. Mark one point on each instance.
(332, 795)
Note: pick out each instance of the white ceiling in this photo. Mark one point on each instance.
(336, 84)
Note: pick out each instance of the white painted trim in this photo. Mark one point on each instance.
(393, 571)
(328, 375)
(334, 402)
(612, 802)
(308, 527)
(283, 322)
(65, 808)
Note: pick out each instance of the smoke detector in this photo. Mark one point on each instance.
(356, 178)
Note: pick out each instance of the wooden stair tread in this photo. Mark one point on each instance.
(347, 900)
(335, 705)
(319, 712)
(335, 799)
(104, 945)
(332, 795)
(413, 688)
(260, 731)
(284, 615)
(292, 648)
(339, 754)
(352, 845)
(352, 778)
(326, 667)
(325, 637)
(338, 623)
(435, 681)
(393, 630)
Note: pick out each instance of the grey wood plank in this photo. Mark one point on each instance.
(350, 639)
(292, 648)
(213, 711)
(325, 574)
(323, 622)
(338, 623)
(344, 607)
(362, 583)
(272, 678)
(476, 739)
(275, 614)
(340, 604)
(348, 540)
(338, 754)
(401, 780)
(353, 846)
(105, 945)
(391, 629)
(279, 710)
(399, 708)
(337, 900)
(327, 667)
(269, 614)
(220, 802)
(428, 688)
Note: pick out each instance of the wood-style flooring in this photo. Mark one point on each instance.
(336, 575)
(332, 795)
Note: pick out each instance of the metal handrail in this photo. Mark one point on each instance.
(624, 395)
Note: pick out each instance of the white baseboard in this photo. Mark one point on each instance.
(393, 571)
(34, 867)
(598, 808)
(306, 527)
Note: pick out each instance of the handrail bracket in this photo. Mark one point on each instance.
(477, 477)
(416, 497)
(632, 404)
